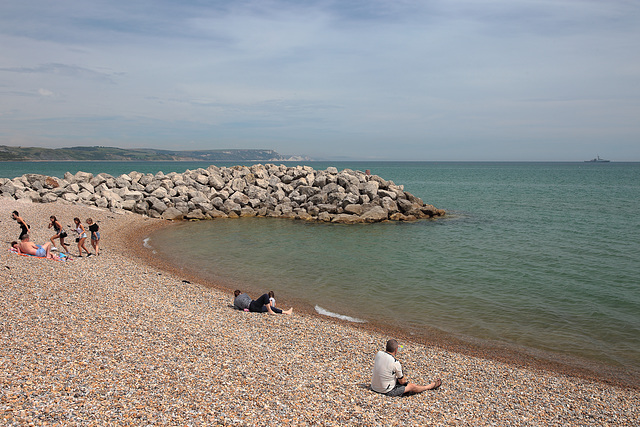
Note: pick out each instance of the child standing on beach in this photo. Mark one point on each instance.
(82, 236)
(95, 235)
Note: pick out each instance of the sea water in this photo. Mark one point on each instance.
(543, 256)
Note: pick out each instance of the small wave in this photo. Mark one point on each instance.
(324, 312)
(145, 244)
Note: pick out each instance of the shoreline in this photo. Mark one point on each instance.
(115, 339)
(517, 356)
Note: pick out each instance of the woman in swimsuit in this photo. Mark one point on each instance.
(82, 236)
(95, 235)
(60, 234)
(24, 228)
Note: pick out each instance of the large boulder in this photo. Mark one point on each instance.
(216, 181)
(86, 186)
(51, 182)
(48, 198)
(202, 179)
(111, 196)
(70, 197)
(215, 213)
(405, 205)
(127, 205)
(389, 205)
(247, 211)
(8, 188)
(160, 193)
(376, 214)
(230, 206)
(194, 214)
(346, 219)
(132, 195)
(83, 176)
(102, 202)
(156, 204)
(101, 178)
(239, 198)
(371, 189)
(354, 209)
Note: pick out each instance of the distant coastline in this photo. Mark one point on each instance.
(102, 154)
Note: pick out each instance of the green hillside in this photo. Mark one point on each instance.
(137, 154)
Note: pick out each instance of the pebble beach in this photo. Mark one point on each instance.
(117, 340)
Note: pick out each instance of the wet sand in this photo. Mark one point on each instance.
(511, 354)
(121, 340)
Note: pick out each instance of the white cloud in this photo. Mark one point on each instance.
(351, 78)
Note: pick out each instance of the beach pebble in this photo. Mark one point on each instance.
(114, 340)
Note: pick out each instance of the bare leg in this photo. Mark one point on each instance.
(415, 388)
(290, 311)
(47, 247)
(95, 244)
(64, 245)
(82, 246)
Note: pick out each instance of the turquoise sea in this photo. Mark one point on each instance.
(544, 257)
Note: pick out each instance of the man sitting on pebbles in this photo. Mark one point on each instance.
(243, 301)
(388, 378)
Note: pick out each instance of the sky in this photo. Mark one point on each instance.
(450, 80)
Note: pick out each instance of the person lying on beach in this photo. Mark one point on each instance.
(388, 378)
(244, 302)
(60, 233)
(26, 246)
(24, 228)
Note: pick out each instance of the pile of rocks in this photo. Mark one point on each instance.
(219, 192)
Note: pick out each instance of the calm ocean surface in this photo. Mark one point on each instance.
(544, 256)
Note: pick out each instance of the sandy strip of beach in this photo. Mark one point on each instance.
(114, 340)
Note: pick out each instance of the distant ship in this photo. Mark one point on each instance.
(597, 160)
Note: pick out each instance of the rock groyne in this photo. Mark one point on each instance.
(269, 190)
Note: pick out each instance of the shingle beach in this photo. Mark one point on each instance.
(115, 340)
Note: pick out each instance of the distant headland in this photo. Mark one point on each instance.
(99, 153)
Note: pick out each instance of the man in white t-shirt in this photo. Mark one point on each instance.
(388, 378)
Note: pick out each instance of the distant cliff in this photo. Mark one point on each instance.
(138, 154)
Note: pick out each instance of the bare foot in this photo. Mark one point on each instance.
(290, 311)
(437, 383)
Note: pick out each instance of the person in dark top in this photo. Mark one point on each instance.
(24, 228)
(95, 235)
(244, 302)
(60, 233)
